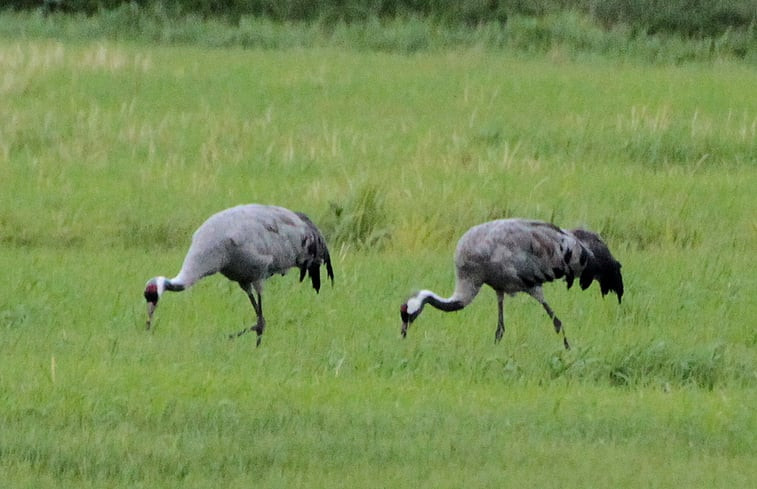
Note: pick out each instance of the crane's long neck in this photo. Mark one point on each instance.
(161, 284)
(201, 261)
(187, 277)
(449, 304)
(463, 295)
(175, 285)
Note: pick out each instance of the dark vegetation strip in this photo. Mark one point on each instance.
(693, 18)
(650, 30)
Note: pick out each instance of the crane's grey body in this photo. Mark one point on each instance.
(519, 255)
(248, 244)
(513, 255)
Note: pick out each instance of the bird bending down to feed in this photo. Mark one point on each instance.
(248, 244)
(519, 255)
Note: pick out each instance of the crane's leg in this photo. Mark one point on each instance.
(257, 305)
(537, 294)
(260, 326)
(501, 317)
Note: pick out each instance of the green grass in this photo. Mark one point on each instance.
(111, 154)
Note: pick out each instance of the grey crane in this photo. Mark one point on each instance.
(248, 244)
(519, 255)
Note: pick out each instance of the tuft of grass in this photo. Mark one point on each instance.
(160, 235)
(359, 221)
(658, 139)
(659, 364)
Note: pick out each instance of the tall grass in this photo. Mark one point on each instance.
(360, 221)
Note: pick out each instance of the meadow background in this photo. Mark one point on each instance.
(118, 137)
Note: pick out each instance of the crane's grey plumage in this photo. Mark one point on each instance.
(519, 255)
(248, 244)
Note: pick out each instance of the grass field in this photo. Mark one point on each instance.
(111, 154)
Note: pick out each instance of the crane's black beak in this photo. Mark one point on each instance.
(151, 306)
(405, 319)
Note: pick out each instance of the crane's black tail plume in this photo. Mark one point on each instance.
(603, 267)
(318, 254)
(314, 271)
(329, 270)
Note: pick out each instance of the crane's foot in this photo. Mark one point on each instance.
(240, 333)
(258, 328)
(498, 335)
(565, 342)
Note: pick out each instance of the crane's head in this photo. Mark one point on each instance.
(410, 310)
(153, 290)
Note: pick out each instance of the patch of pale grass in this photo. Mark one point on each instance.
(746, 125)
(34, 56)
(104, 56)
(37, 57)
(644, 118)
(20, 63)
(739, 124)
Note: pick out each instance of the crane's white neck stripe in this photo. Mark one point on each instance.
(161, 283)
(415, 303)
